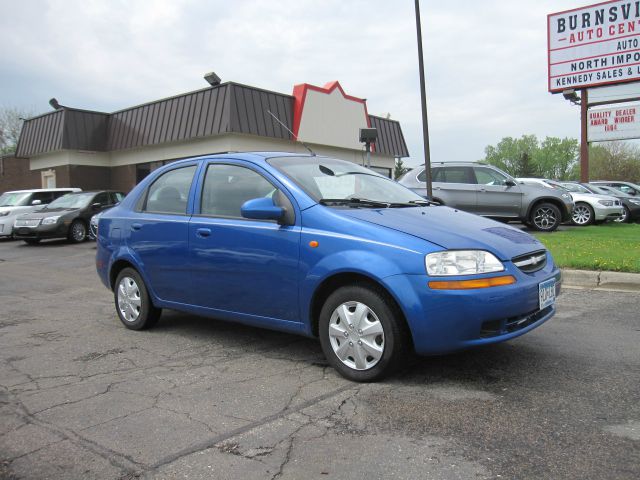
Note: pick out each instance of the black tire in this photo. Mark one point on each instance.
(31, 241)
(583, 214)
(146, 314)
(383, 312)
(626, 216)
(544, 217)
(77, 232)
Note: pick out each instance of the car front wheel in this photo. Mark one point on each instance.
(624, 218)
(545, 217)
(77, 232)
(133, 303)
(582, 214)
(361, 333)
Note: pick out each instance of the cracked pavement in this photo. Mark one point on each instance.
(82, 397)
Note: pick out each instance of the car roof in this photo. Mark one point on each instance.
(36, 190)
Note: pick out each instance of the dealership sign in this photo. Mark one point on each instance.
(617, 123)
(594, 45)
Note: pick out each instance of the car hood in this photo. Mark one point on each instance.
(451, 229)
(590, 197)
(50, 213)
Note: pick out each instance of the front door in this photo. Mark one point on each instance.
(241, 265)
(496, 198)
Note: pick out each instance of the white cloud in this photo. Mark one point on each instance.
(486, 61)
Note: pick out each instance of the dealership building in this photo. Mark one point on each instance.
(71, 147)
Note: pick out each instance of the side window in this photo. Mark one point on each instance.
(170, 192)
(438, 174)
(486, 176)
(44, 197)
(116, 197)
(227, 187)
(422, 177)
(102, 199)
(455, 175)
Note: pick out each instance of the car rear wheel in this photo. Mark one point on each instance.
(625, 215)
(133, 303)
(77, 232)
(545, 217)
(582, 214)
(361, 333)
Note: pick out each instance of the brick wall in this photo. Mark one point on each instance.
(123, 178)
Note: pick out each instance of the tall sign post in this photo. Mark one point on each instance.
(589, 47)
(423, 98)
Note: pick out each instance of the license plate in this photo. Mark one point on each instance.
(547, 293)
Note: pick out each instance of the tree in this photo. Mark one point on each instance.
(11, 120)
(527, 157)
(399, 169)
(513, 155)
(614, 161)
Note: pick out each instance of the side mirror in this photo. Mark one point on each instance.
(510, 183)
(96, 206)
(261, 209)
(36, 202)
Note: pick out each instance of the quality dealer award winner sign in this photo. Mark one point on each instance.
(617, 123)
(594, 45)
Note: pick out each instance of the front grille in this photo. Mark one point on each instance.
(495, 328)
(27, 223)
(531, 262)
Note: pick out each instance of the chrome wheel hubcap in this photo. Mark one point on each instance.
(581, 215)
(356, 335)
(129, 301)
(545, 218)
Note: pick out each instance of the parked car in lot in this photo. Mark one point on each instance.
(19, 202)
(67, 217)
(625, 187)
(324, 248)
(630, 204)
(589, 207)
(93, 223)
(488, 191)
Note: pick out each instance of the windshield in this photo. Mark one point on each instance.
(75, 200)
(14, 199)
(575, 188)
(330, 180)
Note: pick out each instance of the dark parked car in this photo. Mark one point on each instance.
(67, 217)
(324, 248)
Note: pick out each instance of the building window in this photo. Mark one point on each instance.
(382, 171)
(48, 179)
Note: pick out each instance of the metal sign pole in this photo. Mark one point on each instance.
(423, 98)
(584, 143)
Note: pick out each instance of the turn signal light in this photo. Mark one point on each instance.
(470, 284)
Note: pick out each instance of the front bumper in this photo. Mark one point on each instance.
(443, 321)
(607, 213)
(56, 230)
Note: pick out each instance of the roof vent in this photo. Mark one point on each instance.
(212, 78)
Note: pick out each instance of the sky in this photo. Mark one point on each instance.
(485, 61)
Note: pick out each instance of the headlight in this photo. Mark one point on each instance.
(50, 220)
(606, 203)
(634, 201)
(567, 196)
(5, 214)
(462, 262)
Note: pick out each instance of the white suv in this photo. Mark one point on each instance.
(18, 202)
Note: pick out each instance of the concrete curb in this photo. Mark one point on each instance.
(627, 282)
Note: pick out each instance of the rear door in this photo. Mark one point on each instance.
(496, 198)
(159, 233)
(238, 264)
(455, 186)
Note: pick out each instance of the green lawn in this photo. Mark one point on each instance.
(611, 246)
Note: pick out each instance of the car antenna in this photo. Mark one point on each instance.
(294, 135)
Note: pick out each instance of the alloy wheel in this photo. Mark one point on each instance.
(581, 215)
(624, 217)
(356, 335)
(78, 232)
(545, 218)
(129, 301)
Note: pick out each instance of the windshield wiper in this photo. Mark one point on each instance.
(364, 202)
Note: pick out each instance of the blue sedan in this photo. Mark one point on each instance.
(324, 248)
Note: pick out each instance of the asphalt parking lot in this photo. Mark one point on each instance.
(82, 397)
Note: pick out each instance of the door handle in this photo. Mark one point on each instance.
(436, 188)
(203, 232)
(483, 189)
(136, 226)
